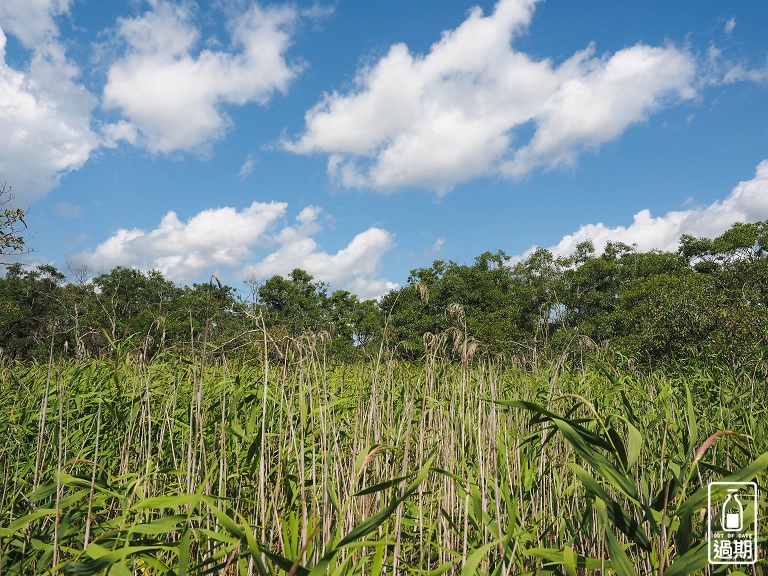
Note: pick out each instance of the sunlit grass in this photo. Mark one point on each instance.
(194, 465)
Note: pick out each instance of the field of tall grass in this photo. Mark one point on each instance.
(200, 464)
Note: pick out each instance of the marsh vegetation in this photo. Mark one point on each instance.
(554, 417)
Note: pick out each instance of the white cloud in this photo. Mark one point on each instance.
(353, 267)
(730, 25)
(436, 248)
(45, 114)
(318, 12)
(599, 99)
(32, 21)
(175, 95)
(213, 239)
(451, 115)
(225, 240)
(719, 69)
(112, 134)
(747, 202)
(739, 72)
(247, 168)
(371, 289)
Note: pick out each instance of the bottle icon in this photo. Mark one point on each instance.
(733, 513)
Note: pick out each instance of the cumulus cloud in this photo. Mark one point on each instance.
(371, 289)
(353, 267)
(598, 99)
(170, 95)
(451, 115)
(32, 21)
(210, 240)
(113, 134)
(245, 243)
(174, 94)
(45, 116)
(747, 202)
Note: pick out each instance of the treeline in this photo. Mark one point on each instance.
(706, 302)
(41, 311)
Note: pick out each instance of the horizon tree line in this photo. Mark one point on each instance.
(705, 302)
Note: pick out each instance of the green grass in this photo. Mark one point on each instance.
(191, 465)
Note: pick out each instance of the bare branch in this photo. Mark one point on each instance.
(12, 224)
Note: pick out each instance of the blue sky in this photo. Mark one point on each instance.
(361, 140)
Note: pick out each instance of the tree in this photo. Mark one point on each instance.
(590, 290)
(498, 308)
(537, 290)
(31, 312)
(12, 223)
(130, 303)
(294, 303)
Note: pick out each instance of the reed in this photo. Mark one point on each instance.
(213, 465)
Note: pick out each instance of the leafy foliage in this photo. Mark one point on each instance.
(11, 226)
(706, 302)
(183, 465)
(155, 429)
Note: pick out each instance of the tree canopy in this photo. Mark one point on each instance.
(707, 300)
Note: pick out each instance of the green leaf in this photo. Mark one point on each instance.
(332, 497)
(93, 566)
(591, 437)
(634, 444)
(619, 560)
(163, 525)
(683, 534)
(380, 486)
(378, 559)
(690, 562)
(184, 553)
(569, 561)
(29, 518)
(693, 426)
(286, 564)
(616, 514)
(599, 463)
(442, 569)
(474, 559)
(163, 502)
(370, 524)
(228, 523)
(556, 556)
(583, 441)
(698, 499)
(360, 460)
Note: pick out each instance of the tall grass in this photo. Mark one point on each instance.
(208, 465)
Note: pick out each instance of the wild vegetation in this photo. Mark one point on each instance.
(706, 303)
(556, 416)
